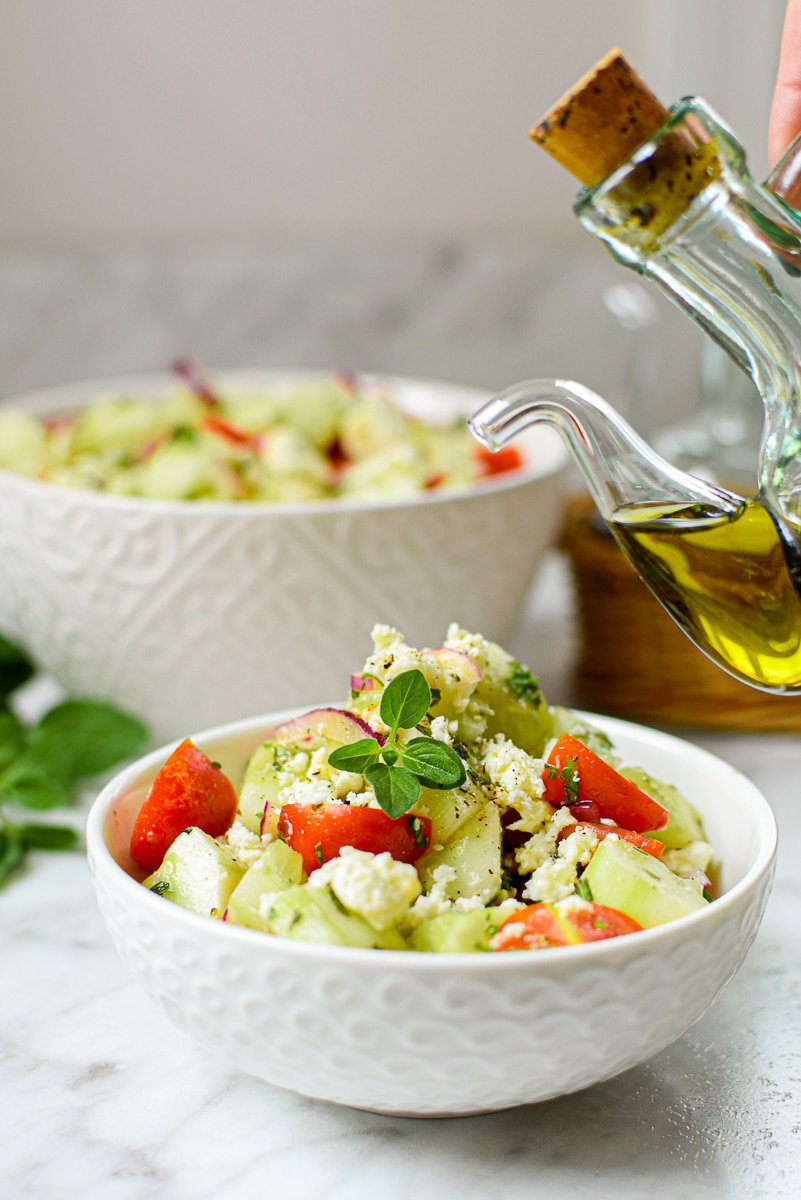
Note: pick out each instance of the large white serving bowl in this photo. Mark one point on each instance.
(434, 1035)
(188, 613)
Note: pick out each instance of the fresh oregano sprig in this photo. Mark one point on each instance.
(396, 770)
(41, 764)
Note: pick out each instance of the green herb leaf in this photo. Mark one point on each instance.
(522, 683)
(84, 737)
(12, 849)
(12, 738)
(415, 827)
(49, 837)
(405, 700)
(396, 788)
(583, 889)
(569, 775)
(15, 668)
(435, 764)
(356, 757)
(31, 785)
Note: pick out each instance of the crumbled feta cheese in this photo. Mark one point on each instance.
(374, 886)
(556, 878)
(307, 791)
(442, 731)
(540, 848)
(436, 900)
(517, 779)
(247, 846)
(472, 644)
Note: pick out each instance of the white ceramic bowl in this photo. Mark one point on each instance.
(190, 613)
(424, 1034)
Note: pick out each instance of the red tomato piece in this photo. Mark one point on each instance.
(596, 922)
(228, 432)
(188, 790)
(574, 775)
(532, 928)
(649, 845)
(499, 461)
(319, 831)
(543, 926)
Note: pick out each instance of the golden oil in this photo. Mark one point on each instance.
(728, 578)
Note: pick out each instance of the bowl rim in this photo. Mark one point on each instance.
(154, 381)
(100, 857)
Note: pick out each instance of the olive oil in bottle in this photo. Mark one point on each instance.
(728, 579)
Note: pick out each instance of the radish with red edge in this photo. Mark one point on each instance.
(325, 725)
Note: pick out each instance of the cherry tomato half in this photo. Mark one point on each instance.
(574, 774)
(542, 926)
(319, 831)
(188, 790)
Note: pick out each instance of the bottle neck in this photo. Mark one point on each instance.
(728, 252)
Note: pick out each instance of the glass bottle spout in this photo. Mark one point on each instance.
(724, 568)
(620, 469)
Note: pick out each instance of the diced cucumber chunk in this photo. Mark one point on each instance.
(197, 873)
(453, 933)
(684, 825)
(473, 854)
(623, 877)
(449, 810)
(260, 785)
(519, 709)
(277, 869)
(461, 932)
(307, 914)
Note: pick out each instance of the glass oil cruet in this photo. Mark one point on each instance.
(682, 209)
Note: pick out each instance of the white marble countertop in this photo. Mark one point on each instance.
(101, 1097)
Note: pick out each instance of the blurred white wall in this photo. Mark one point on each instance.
(129, 119)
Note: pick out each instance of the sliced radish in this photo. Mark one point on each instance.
(358, 683)
(325, 725)
(456, 661)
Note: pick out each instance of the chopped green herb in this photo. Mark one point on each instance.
(318, 853)
(436, 696)
(161, 887)
(523, 684)
(583, 889)
(218, 765)
(415, 827)
(569, 776)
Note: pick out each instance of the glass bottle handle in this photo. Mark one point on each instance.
(785, 178)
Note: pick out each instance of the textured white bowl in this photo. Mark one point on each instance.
(190, 613)
(424, 1034)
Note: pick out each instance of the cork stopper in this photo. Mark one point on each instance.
(601, 121)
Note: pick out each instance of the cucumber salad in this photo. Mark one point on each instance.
(445, 807)
(319, 439)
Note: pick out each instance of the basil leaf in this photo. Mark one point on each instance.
(405, 700)
(12, 849)
(85, 737)
(435, 764)
(355, 757)
(49, 837)
(396, 788)
(12, 738)
(28, 783)
(15, 668)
